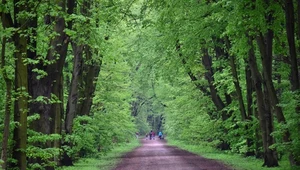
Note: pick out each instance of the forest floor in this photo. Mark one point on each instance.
(157, 155)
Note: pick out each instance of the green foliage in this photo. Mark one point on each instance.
(144, 82)
(289, 103)
(236, 161)
(107, 161)
(34, 150)
(82, 142)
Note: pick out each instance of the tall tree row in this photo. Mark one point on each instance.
(58, 48)
(242, 61)
(223, 73)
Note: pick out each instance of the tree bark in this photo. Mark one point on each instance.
(21, 88)
(237, 87)
(73, 94)
(72, 99)
(50, 87)
(87, 82)
(8, 102)
(264, 112)
(265, 44)
(6, 23)
(250, 110)
(290, 31)
(193, 78)
(207, 63)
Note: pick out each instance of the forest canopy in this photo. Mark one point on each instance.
(78, 77)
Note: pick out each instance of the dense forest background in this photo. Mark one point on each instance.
(77, 77)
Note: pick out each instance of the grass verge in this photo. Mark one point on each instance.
(236, 161)
(105, 162)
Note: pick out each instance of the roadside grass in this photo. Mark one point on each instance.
(105, 162)
(236, 161)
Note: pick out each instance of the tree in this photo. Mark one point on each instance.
(21, 86)
(8, 102)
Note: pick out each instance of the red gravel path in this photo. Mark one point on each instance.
(156, 155)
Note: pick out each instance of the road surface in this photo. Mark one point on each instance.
(156, 155)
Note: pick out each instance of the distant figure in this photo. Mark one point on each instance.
(137, 134)
(160, 135)
(153, 135)
(150, 135)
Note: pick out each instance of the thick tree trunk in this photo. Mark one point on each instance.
(207, 63)
(21, 88)
(55, 77)
(90, 71)
(267, 70)
(21, 104)
(50, 87)
(83, 81)
(290, 31)
(264, 112)
(8, 102)
(73, 94)
(72, 99)
(87, 82)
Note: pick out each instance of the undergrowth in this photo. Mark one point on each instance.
(236, 161)
(105, 162)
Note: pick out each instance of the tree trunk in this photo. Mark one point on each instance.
(242, 108)
(193, 78)
(8, 100)
(207, 62)
(238, 88)
(50, 87)
(73, 94)
(21, 88)
(21, 104)
(264, 112)
(267, 71)
(87, 82)
(55, 78)
(7, 22)
(72, 99)
(290, 31)
(249, 85)
(90, 71)
(220, 105)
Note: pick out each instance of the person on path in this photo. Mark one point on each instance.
(150, 135)
(160, 135)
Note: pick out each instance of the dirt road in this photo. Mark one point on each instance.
(156, 155)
